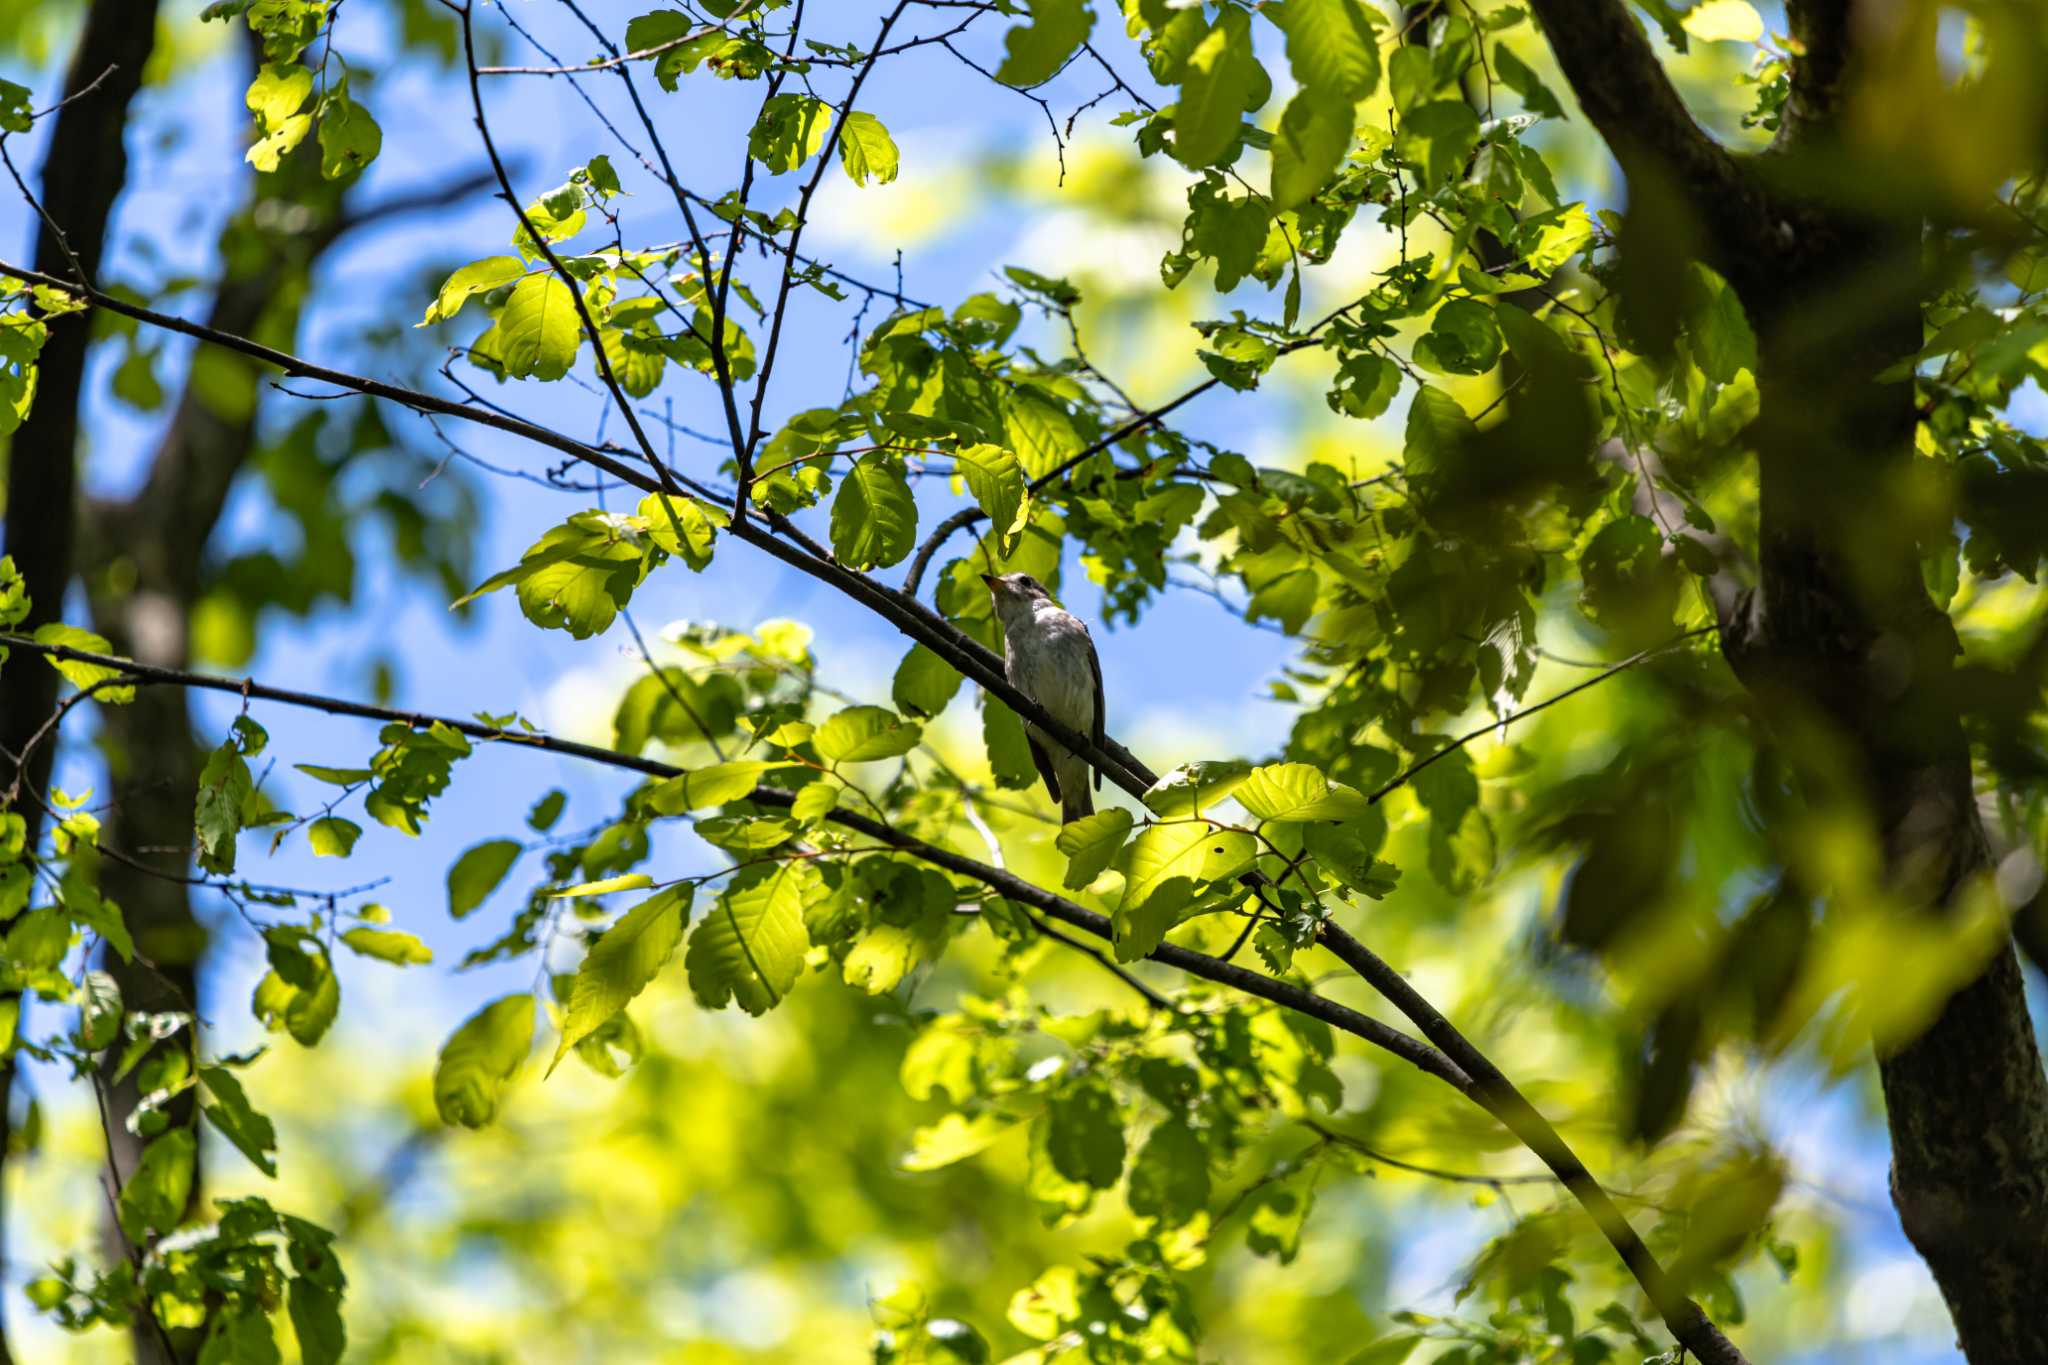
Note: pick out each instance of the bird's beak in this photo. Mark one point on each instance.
(989, 579)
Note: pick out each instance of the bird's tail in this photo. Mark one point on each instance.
(1075, 798)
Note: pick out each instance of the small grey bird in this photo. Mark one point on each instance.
(1048, 656)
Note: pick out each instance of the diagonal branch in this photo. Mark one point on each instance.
(1283, 993)
(1625, 93)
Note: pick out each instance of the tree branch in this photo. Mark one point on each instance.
(1629, 99)
(1283, 993)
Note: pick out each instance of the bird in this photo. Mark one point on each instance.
(1048, 656)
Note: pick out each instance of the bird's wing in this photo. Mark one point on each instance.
(1095, 732)
(1044, 766)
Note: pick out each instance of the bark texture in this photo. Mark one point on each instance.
(1850, 662)
(83, 174)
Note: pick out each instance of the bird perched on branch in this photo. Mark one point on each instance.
(1048, 656)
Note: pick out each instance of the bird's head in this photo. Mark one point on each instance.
(1017, 597)
(1015, 589)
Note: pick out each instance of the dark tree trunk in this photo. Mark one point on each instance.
(83, 174)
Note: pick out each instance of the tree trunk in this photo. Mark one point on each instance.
(83, 173)
(1851, 663)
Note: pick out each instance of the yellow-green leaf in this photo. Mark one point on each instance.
(631, 881)
(866, 149)
(750, 946)
(863, 734)
(76, 671)
(540, 330)
(333, 837)
(874, 516)
(1724, 21)
(1166, 865)
(621, 963)
(478, 1060)
(712, 786)
(276, 94)
(996, 479)
(478, 277)
(389, 945)
(1091, 844)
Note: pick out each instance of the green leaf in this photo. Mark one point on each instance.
(955, 1137)
(267, 153)
(316, 1322)
(1170, 1178)
(1222, 82)
(631, 881)
(1562, 234)
(1438, 429)
(1724, 21)
(1085, 1138)
(477, 872)
(1332, 47)
(224, 788)
(874, 516)
(863, 734)
(480, 1058)
(546, 811)
(99, 1011)
(1195, 787)
(1164, 868)
(1033, 53)
(276, 94)
(866, 149)
(1274, 1223)
(1289, 599)
(1040, 431)
(666, 516)
(1463, 338)
(539, 329)
(349, 138)
(240, 1335)
(16, 111)
(1391, 1350)
(76, 671)
(1721, 340)
(1298, 792)
(789, 131)
(13, 596)
(750, 947)
(1440, 137)
(478, 277)
(1009, 752)
(1315, 132)
(621, 963)
(398, 948)
(333, 837)
(1516, 75)
(924, 683)
(712, 786)
(339, 777)
(1091, 844)
(153, 1200)
(815, 802)
(237, 1120)
(996, 479)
